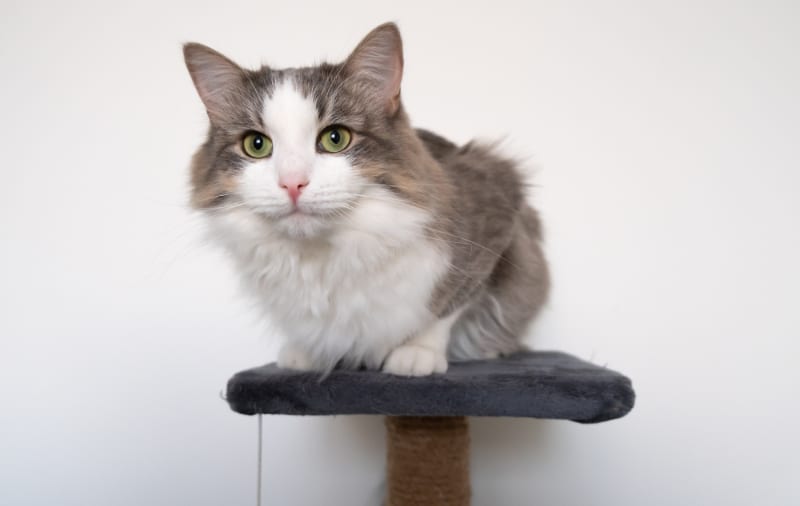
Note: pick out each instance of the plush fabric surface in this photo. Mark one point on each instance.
(530, 384)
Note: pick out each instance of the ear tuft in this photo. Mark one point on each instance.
(215, 77)
(378, 59)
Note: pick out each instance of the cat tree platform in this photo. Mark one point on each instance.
(426, 417)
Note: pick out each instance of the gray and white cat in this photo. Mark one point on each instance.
(367, 242)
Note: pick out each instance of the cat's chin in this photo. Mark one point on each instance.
(299, 225)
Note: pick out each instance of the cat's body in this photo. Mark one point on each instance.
(375, 254)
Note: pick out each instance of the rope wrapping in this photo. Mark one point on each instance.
(427, 461)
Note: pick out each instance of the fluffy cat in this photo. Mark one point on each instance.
(367, 242)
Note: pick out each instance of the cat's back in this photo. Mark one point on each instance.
(481, 176)
(486, 213)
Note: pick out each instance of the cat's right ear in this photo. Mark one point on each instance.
(216, 78)
(378, 60)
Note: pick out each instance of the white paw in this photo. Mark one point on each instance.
(412, 360)
(291, 358)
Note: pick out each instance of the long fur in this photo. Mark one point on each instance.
(399, 239)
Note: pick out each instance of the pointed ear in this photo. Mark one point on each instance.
(216, 78)
(378, 59)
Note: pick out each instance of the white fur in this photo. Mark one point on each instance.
(291, 123)
(425, 353)
(350, 286)
(292, 357)
(355, 294)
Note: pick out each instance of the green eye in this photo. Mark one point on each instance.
(257, 145)
(334, 139)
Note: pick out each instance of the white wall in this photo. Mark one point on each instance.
(666, 138)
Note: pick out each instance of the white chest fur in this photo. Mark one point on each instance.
(354, 295)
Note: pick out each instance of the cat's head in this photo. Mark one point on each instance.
(300, 147)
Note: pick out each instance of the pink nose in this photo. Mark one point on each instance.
(293, 186)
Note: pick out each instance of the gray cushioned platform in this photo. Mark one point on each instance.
(529, 384)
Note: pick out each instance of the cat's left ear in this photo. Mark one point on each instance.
(217, 79)
(378, 59)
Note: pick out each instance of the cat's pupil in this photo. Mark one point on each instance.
(258, 142)
(335, 136)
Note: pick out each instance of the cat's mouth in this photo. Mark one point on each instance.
(298, 212)
(301, 214)
(325, 210)
(295, 217)
(301, 223)
(283, 212)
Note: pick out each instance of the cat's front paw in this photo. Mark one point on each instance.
(414, 360)
(292, 358)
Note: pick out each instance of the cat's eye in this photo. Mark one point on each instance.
(334, 139)
(257, 145)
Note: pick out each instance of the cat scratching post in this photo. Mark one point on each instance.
(426, 418)
(427, 460)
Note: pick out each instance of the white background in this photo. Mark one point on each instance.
(664, 138)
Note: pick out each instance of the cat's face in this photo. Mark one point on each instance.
(300, 148)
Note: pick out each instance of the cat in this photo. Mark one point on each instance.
(368, 243)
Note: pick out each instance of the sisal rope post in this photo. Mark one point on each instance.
(427, 461)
